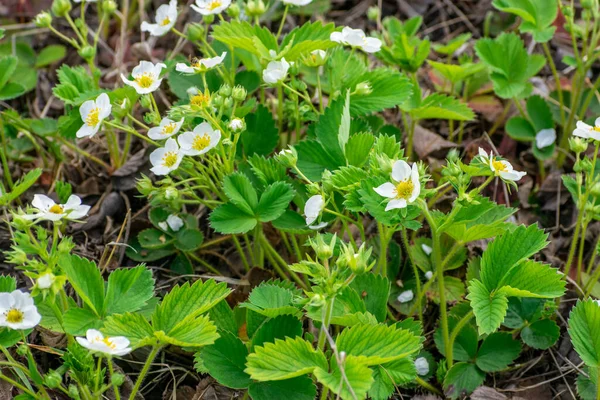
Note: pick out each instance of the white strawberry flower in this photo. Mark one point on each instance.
(586, 131)
(47, 209)
(356, 38)
(422, 366)
(113, 346)
(297, 2)
(173, 222)
(211, 7)
(200, 65)
(17, 310)
(405, 188)
(312, 210)
(45, 281)
(406, 296)
(166, 16)
(501, 168)
(545, 138)
(93, 112)
(146, 77)
(166, 159)
(201, 140)
(276, 71)
(165, 129)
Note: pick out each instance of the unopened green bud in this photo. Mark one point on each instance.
(255, 8)
(586, 165)
(323, 249)
(208, 19)
(299, 85)
(109, 6)
(171, 193)
(595, 190)
(239, 93)
(225, 90)
(118, 379)
(195, 32)
(228, 103)
(60, 8)
(317, 300)
(145, 186)
(74, 392)
(218, 100)
(567, 11)
(373, 13)
(146, 101)
(234, 10)
(22, 350)
(363, 89)
(52, 379)
(288, 157)
(43, 20)
(578, 145)
(87, 52)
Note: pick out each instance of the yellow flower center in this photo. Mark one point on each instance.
(199, 99)
(595, 128)
(109, 343)
(169, 159)
(168, 129)
(56, 209)
(93, 117)
(214, 5)
(196, 63)
(165, 22)
(201, 142)
(144, 80)
(499, 166)
(14, 316)
(404, 189)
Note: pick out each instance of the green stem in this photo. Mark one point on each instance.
(383, 247)
(415, 272)
(574, 241)
(326, 321)
(557, 82)
(145, 369)
(241, 252)
(581, 248)
(111, 372)
(285, 12)
(461, 324)
(428, 386)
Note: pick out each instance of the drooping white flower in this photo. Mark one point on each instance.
(146, 77)
(236, 125)
(201, 140)
(166, 159)
(93, 112)
(113, 346)
(17, 310)
(166, 16)
(276, 71)
(501, 168)
(200, 65)
(545, 138)
(312, 210)
(428, 275)
(165, 129)
(211, 7)
(406, 296)
(356, 38)
(173, 222)
(587, 131)
(422, 366)
(426, 249)
(49, 210)
(297, 2)
(405, 188)
(45, 280)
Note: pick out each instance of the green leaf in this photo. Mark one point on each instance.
(378, 344)
(8, 64)
(187, 301)
(240, 192)
(7, 283)
(519, 128)
(538, 16)
(254, 39)
(133, 326)
(128, 289)
(192, 331)
(300, 388)
(228, 219)
(11, 90)
(10, 337)
(348, 177)
(189, 240)
(542, 334)
(584, 329)
(497, 351)
(284, 360)
(358, 149)
(355, 381)
(271, 300)
(261, 135)
(540, 113)
(306, 38)
(85, 278)
(279, 327)
(456, 73)
(453, 44)
(489, 308)
(388, 90)
(374, 290)
(274, 201)
(313, 159)
(462, 379)
(533, 279)
(76, 321)
(50, 54)
(332, 131)
(388, 376)
(225, 361)
(154, 239)
(466, 342)
(441, 106)
(74, 81)
(586, 388)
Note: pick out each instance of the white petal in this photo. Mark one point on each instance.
(174, 222)
(386, 190)
(336, 37)
(400, 171)
(414, 177)
(422, 366)
(406, 296)
(512, 175)
(372, 45)
(426, 249)
(42, 202)
(396, 203)
(545, 138)
(87, 131)
(318, 226)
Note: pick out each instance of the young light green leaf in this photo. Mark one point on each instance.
(489, 309)
(538, 16)
(7, 283)
(240, 192)
(355, 381)
(131, 325)
(128, 290)
(193, 331)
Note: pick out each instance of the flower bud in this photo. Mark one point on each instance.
(74, 392)
(22, 350)
(300, 86)
(218, 100)
(317, 300)
(234, 10)
(567, 11)
(146, 101)
(87, 52)
(171, 193)
(316, 58)
(118, 379)
(586, 165)
(43, 20)
(228, 103)
(237, 125)
(225, 90)
(373, 13)
(577, 145)
(60, 8)
(195, 32)
(255, 8)
(239, 93)
(45, 281)
(595, 190)
(145, 186)
(363, 89)
(52, 379)
(208, 19)
(109, 7)
(323, 250)
(288, 157)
